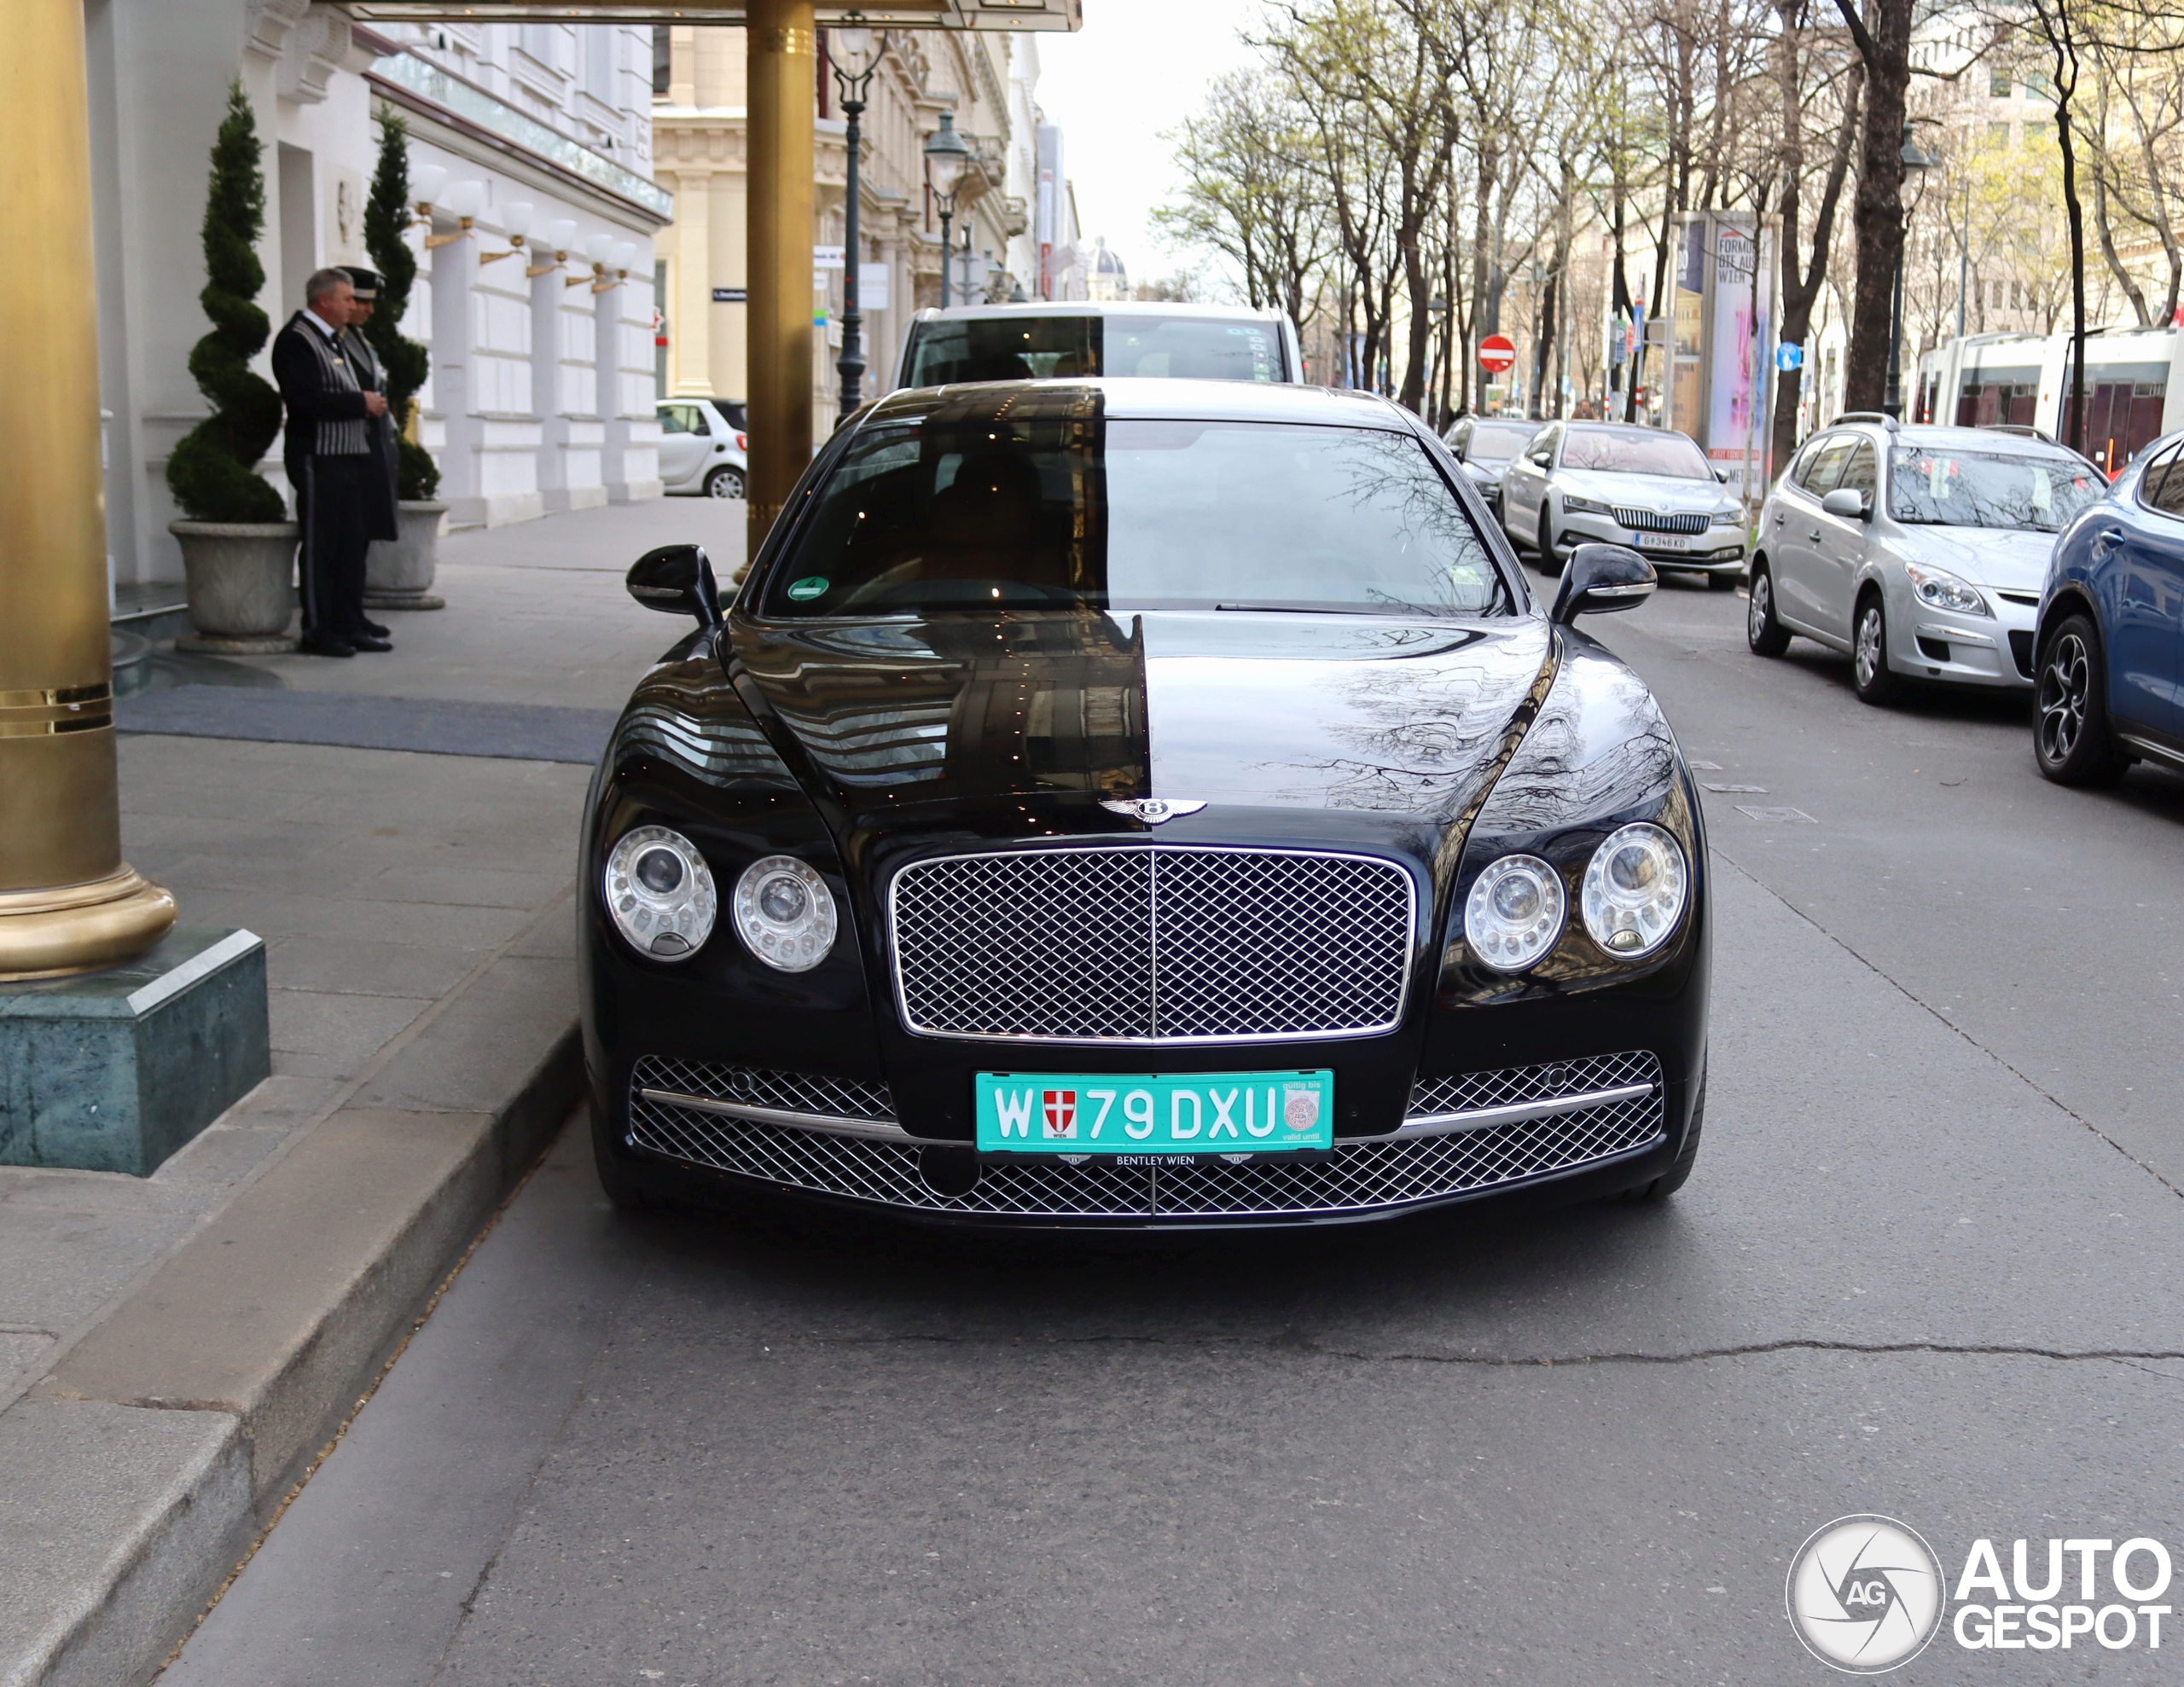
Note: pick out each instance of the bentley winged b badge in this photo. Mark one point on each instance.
(1151, 810)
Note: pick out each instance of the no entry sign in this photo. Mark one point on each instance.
(1497, 352)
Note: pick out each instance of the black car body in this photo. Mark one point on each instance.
(1138, 840)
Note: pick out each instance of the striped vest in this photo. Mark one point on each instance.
(335, 438)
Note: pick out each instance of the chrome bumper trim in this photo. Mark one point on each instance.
(1485, 1118)
(833, 1125)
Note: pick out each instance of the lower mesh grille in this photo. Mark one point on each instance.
(1359, 1176)
(754, 1086)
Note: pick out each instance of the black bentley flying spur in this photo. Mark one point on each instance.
(1141, 803)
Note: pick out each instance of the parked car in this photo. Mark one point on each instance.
(1020, 342)
(1937, 577)
(704, 447)
(1617, 481)
(1486, 445)
(2108, 651)
(1070, 823)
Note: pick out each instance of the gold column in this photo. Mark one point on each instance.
(782, 71)
(67, 900)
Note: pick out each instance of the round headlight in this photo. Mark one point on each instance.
(660, 893)
(785, 913)
(1514, 912)
(1635, 889)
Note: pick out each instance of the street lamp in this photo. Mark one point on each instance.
(946, 158)
(854, 55)
(1915, 157)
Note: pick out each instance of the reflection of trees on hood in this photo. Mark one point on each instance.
(1599, 745)
(1419, 736)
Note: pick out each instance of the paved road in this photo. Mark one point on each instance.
(1927, 1268)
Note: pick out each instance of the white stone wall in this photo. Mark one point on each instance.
(540, 395)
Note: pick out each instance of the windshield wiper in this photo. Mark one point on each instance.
(1330, 609)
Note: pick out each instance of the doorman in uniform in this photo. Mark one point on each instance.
(331, 463)
(382, 522)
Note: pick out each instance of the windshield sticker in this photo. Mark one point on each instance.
(811, 586)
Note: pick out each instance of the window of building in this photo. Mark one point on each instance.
(1998, 134)
(1998, 82)
(663, 60)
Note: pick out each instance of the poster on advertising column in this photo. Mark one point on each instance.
(1735, 433)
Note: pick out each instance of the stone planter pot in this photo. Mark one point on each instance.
(242, 585)
(398, 572)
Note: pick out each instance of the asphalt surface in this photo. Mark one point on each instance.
(1927, 1268)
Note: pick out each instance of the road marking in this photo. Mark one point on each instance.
(1794, 814)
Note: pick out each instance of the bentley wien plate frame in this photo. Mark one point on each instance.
(1225, 1113)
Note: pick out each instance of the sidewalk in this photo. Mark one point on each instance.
(175, 1349)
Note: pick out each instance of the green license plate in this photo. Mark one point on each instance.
(1197, 1113)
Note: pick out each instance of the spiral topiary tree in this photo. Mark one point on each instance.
(405, 363)
(214, 472)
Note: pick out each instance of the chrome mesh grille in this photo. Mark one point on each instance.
(754, 1086)
(1507, 1087)
(1651, 521)
(1152, 944)
(1359, 1176)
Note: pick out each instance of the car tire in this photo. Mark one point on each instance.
(1765, 635)
(724, 481)
(2071, 741)
(1679, 1172)
(1871, 677)
(1722, 581)
(1551, 564)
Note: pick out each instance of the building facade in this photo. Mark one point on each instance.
(987, 79)
(541, 393)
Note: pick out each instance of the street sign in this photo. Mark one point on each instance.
(1789, 356)
(829, 256)
(1497, 352)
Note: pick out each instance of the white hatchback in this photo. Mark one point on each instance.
(704, 447)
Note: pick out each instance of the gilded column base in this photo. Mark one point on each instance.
(50, 933)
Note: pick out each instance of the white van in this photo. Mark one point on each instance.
(1021, 342)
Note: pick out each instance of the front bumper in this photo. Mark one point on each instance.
(1609, 1116)
(1943, 647)
(1719, 550)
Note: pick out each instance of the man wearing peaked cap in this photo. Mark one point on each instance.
(380, 496)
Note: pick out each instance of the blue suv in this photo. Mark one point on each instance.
(2110, 656)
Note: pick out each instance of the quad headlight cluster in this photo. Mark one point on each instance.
(660, 894)
(1632, 895)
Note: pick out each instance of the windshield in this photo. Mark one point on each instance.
(1669, 454)
(1039, 348)
(1013, 348)
(1066, 509)
(1970, 488)
(1497, 441)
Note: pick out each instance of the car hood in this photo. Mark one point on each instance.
(2003, 559)
(1656, 492)
(912, 735)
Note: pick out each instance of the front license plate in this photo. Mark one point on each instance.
(1198, 1113)
(1667, 541)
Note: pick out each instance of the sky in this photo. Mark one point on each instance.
(1137, 67)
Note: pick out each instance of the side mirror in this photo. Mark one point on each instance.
(677, 580)
(1847, 503)
(1541, 460)
(1601, 578)
(1722, 475)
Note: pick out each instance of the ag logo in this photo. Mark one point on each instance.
(1865, 1594)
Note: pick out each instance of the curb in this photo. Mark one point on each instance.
(144, 1465)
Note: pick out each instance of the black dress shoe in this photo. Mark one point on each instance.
(374, 629)
(327, 647)
(366, 641)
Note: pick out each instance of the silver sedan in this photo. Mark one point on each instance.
(1643, 487)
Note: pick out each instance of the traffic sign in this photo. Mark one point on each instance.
(1789, 356)
(1497, 352)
